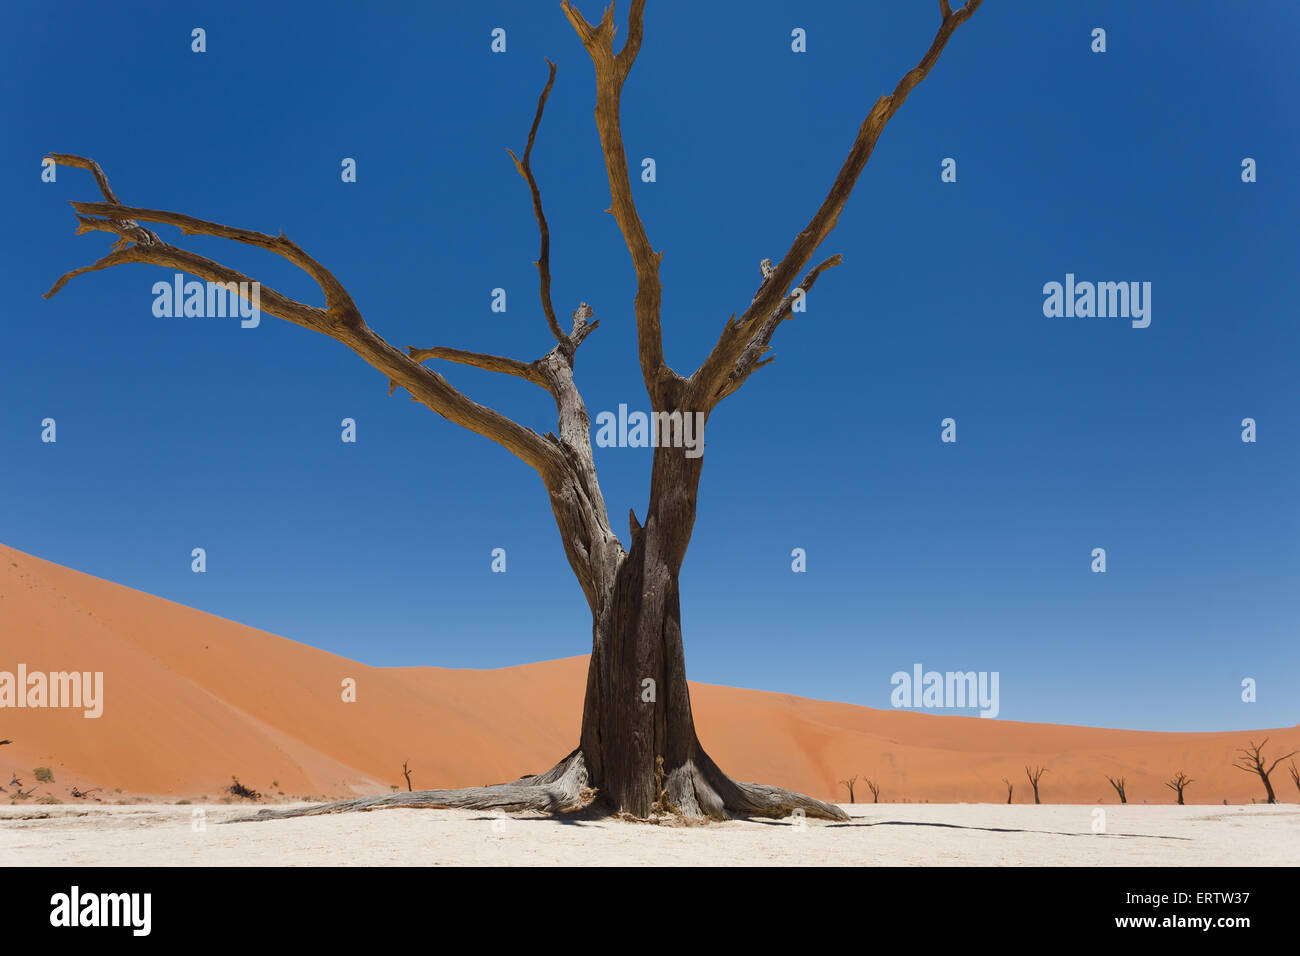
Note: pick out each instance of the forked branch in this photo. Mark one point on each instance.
(717, 375)
(611, 71)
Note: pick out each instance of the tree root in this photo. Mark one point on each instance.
(697, 791)
(561, 789)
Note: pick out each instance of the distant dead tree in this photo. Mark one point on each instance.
(1010, 788)
(1252, 761)
(1033, 773)
(849, 783)
(874, 787)
(19, 792)
(407, 774)
(1119, 784)
(237, 789)
(3, 742)
(1178, 784)
(79, 794)
(1295, 774)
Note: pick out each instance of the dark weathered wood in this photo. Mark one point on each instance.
(1179, 783)
(1035, 774)
(562, 789)
(1120, 784)
(526, 170)
(1252, 761)
(611, 70)
(637, 750)
(848, 785)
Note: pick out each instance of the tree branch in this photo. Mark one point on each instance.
(747, 363)
(524, 166)
(1280, 759)
(532, 371)
(339, 320)
(338, 303)
(490, 363)
(611, 71)
(709, 382)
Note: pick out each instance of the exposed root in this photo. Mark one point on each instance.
(562, 789)
(699, 790)
(696, 792)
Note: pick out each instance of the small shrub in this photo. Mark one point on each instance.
(44, 774)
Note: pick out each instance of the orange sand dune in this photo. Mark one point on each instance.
(191, 699)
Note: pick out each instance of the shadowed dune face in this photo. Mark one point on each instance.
(191, 699)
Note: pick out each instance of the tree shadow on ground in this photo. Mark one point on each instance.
(958, 826)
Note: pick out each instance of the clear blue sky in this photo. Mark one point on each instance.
(1073, 433)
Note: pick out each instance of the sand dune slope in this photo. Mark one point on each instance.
(191, 699)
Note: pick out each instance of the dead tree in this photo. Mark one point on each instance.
(407, 774)
(1295, 775)
(1010, 788)
(1178, 784)
(632, 592)
(1252, 761)
(849, 783)
(237, 789)
(874, 787)
(1033, 773)
(1119, 785)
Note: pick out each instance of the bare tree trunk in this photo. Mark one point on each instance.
(638, 753)
(638, 733)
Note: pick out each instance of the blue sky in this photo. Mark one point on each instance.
(1072, 433)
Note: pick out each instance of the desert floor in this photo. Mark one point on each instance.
(884, 834)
